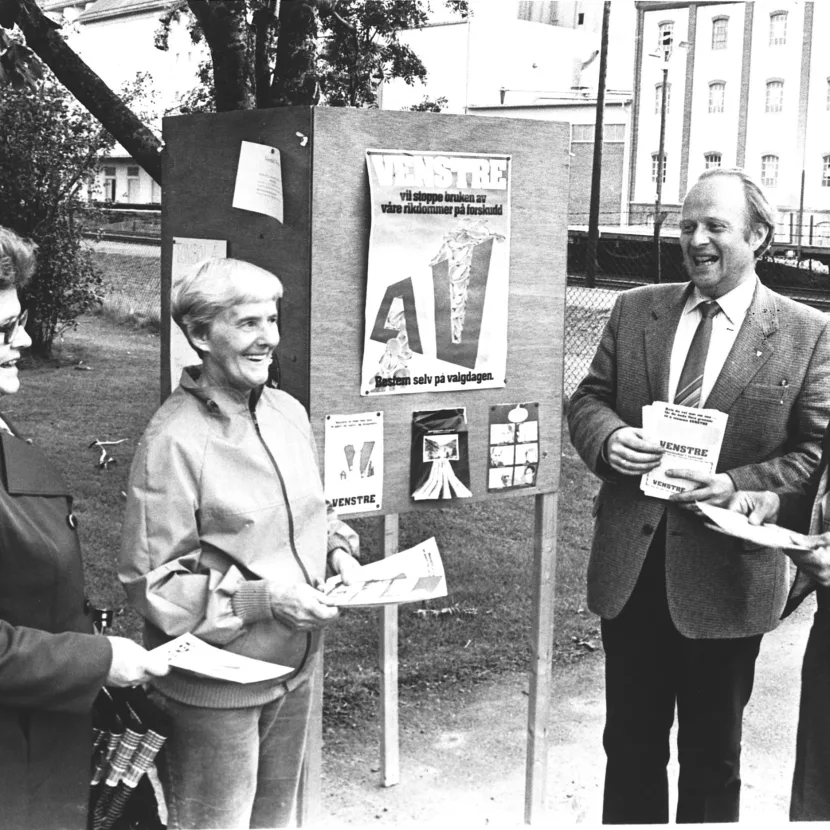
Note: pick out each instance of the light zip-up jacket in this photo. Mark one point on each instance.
(224, 494)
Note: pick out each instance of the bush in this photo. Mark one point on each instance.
(48, 154)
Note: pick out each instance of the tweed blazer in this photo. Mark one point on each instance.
(775, 388)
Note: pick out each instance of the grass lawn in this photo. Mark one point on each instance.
(104, 385)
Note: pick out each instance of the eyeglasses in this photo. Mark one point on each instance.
(9, 331)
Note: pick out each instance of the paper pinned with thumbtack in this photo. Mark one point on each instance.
(259, 180)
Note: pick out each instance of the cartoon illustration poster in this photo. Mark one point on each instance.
(514, 446)
(437, 286)
(439, 462)
(353, 462)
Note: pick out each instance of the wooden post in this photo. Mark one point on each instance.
(310, 795)
(544, 584)
(390, 768)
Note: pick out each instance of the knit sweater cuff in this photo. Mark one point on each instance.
(252, 601)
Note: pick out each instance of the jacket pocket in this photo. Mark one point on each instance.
(776, 393)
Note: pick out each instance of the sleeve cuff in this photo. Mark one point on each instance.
(252, 601)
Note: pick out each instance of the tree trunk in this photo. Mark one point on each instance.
(295, 81)
(226, 31)
(43, 38)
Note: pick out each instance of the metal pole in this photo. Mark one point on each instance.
(658, 221)
(800, 231)
(596, 174)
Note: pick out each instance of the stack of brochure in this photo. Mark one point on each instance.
(691, 439)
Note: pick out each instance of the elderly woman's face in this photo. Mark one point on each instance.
(13, 339)
(237, 348)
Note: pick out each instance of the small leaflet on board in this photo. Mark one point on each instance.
(259, 180)
(188, 252)
(353, 462)
(514, 446)
(440, 464)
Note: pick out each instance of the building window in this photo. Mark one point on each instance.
(719, 29)
(777, 28)
(583, 132)
(825, 171)
(712, 160)
(109, 184)
(665, 36)
(613, 132)
(775, 96)
(658, 98)
(655, 165)
(769, 171)
(133, 184)
(717, 93)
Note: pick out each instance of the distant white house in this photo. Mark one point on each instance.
(116, 39)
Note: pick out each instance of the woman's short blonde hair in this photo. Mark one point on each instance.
(202, 293)
(17, 259)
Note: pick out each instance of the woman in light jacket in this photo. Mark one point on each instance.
(227, 535)
(51, 664)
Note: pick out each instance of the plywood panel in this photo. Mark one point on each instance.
(200, 163)
(340, 234)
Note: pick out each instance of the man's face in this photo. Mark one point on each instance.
(717, 243)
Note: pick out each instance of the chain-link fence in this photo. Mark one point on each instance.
(625, 258)
(132, 277)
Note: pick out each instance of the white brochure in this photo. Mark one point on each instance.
(691, 439)
(195, 656)
(412, 575)
(736, 524)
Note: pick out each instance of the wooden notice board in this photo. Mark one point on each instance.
(321, 251)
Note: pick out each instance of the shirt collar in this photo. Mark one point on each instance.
(734, 304)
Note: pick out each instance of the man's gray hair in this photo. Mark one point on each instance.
(758, 209)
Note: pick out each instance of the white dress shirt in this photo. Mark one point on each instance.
(725, 326)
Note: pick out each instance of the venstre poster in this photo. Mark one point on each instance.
(437, 283)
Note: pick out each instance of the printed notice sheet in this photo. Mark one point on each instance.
(691, 439)
(412, 575)
(258, 184)
(195, 656)
(353, 462)
(736, 524)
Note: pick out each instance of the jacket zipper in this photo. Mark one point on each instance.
(290, 529)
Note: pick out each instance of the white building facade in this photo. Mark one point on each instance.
(748, 85)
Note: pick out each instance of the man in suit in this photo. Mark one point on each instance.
(683, 608)
(806, 508)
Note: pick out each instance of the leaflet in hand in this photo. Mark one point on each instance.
(412, 575)
(766, 535)
(691, 439)
(195, 656)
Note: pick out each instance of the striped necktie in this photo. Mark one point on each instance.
(691, 378)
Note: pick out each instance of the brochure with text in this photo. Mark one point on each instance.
(195, 656)
(412, 575)
(691, 439)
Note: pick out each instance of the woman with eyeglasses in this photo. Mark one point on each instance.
(51, 664)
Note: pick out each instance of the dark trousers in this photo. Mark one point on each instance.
(810, 799)
(649, 669)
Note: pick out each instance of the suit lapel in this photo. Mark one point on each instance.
(659, 338)
(751, 350)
